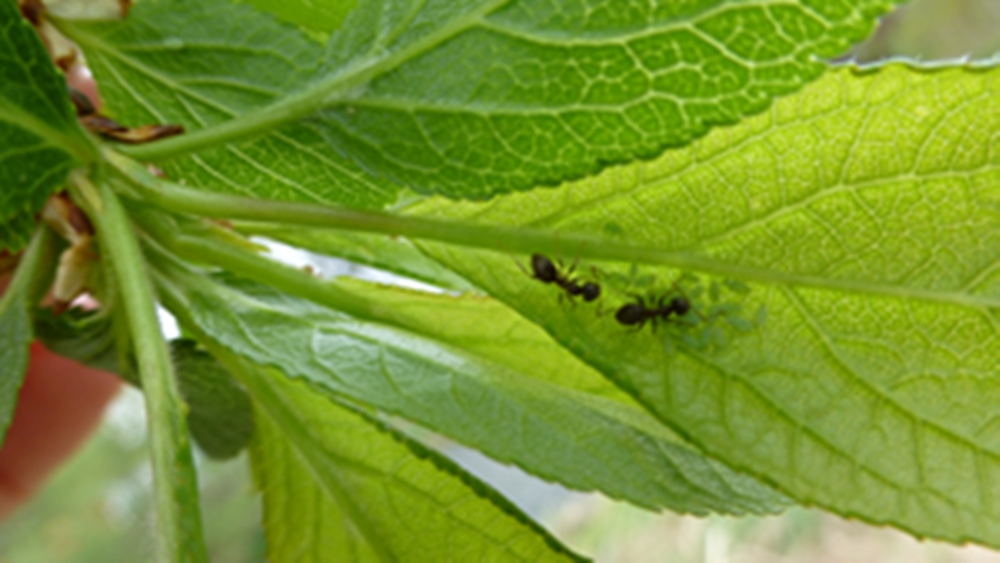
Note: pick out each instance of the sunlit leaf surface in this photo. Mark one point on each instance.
(863, 212)
(516, 396)
(339, 486)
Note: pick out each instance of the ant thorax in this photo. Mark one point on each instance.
(543, 268)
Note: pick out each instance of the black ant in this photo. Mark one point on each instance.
(545, 271)
(639, 313)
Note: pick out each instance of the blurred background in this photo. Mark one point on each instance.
(98, 508)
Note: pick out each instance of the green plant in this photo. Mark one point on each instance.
(835, 231)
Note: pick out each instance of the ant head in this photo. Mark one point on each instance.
(680, 306)
(591, 291)
(630, 314)
(543, 268)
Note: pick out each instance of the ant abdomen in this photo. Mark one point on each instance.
(631, 314)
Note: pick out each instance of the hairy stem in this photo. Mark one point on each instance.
(521, 240)
(175, 482)
(251, 265)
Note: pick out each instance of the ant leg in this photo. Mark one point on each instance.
(572, 266)
(516, 261)
(557, 253)
(677, 288)
(637, 327)
(576, 260)
(521, 267)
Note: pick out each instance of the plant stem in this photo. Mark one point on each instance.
(512, 239)
(175, 481)
(522, 240)
(258, 268)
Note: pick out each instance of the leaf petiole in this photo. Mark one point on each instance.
(522, 240)
(175, 481)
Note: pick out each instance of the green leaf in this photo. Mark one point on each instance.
(469, 99)
(505, 408)
(339, 486)
(864, 213)
(86, 337)
(220, 417)
(319, 17)
(15, 232)
(302, 521)
(39, 137)
(15, 338)
(16, 308)
(185, 62)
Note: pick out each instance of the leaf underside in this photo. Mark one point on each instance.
(575, 429)
(864, 211)
(465, 99)
(321, 18)
(338, 487)
(185, 62)
(15, 231)
(17, 305)
(220, 415)
(36, 123)
(15, 338)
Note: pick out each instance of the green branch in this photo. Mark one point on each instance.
(175, 481)
(248, 264)
(521, 240)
